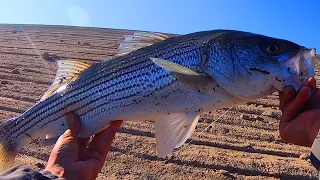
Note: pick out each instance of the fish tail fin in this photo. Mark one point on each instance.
(9, 145)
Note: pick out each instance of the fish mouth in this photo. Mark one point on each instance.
(297, 69)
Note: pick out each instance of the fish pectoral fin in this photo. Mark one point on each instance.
(139, 40)
(189, 77)
(173, 131)
(68, 71)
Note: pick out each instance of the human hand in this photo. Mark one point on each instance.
(72, 158)
(300, 121)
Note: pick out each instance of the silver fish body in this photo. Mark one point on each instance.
(232, 64)
(130, 87)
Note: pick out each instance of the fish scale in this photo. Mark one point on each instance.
(172, 81)
(64, 102)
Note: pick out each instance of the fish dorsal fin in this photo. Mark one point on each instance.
(172, 131)
(68, 71)
(139, 40)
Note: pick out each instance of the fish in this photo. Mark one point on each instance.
(171, 79)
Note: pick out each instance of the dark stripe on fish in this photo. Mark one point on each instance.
(259, 70)
(169, 49)
(88, 95)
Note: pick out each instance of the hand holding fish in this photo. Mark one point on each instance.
(300, 121)
(70, 157)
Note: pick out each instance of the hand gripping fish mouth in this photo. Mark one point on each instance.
(297, 70)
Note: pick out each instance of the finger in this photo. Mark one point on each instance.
(83, 145)
(83, 142)
(73, 124)
(292, 109)
(302, 130)
(311, 83)
(281, 99)
(313, 101)
(102, 141)
(286, 96)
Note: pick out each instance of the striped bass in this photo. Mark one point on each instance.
(171, 80)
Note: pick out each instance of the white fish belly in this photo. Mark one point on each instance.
(162, 103)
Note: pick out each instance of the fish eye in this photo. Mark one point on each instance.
(272, 48)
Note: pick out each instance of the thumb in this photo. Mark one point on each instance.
(295, 106)
(73, 124)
